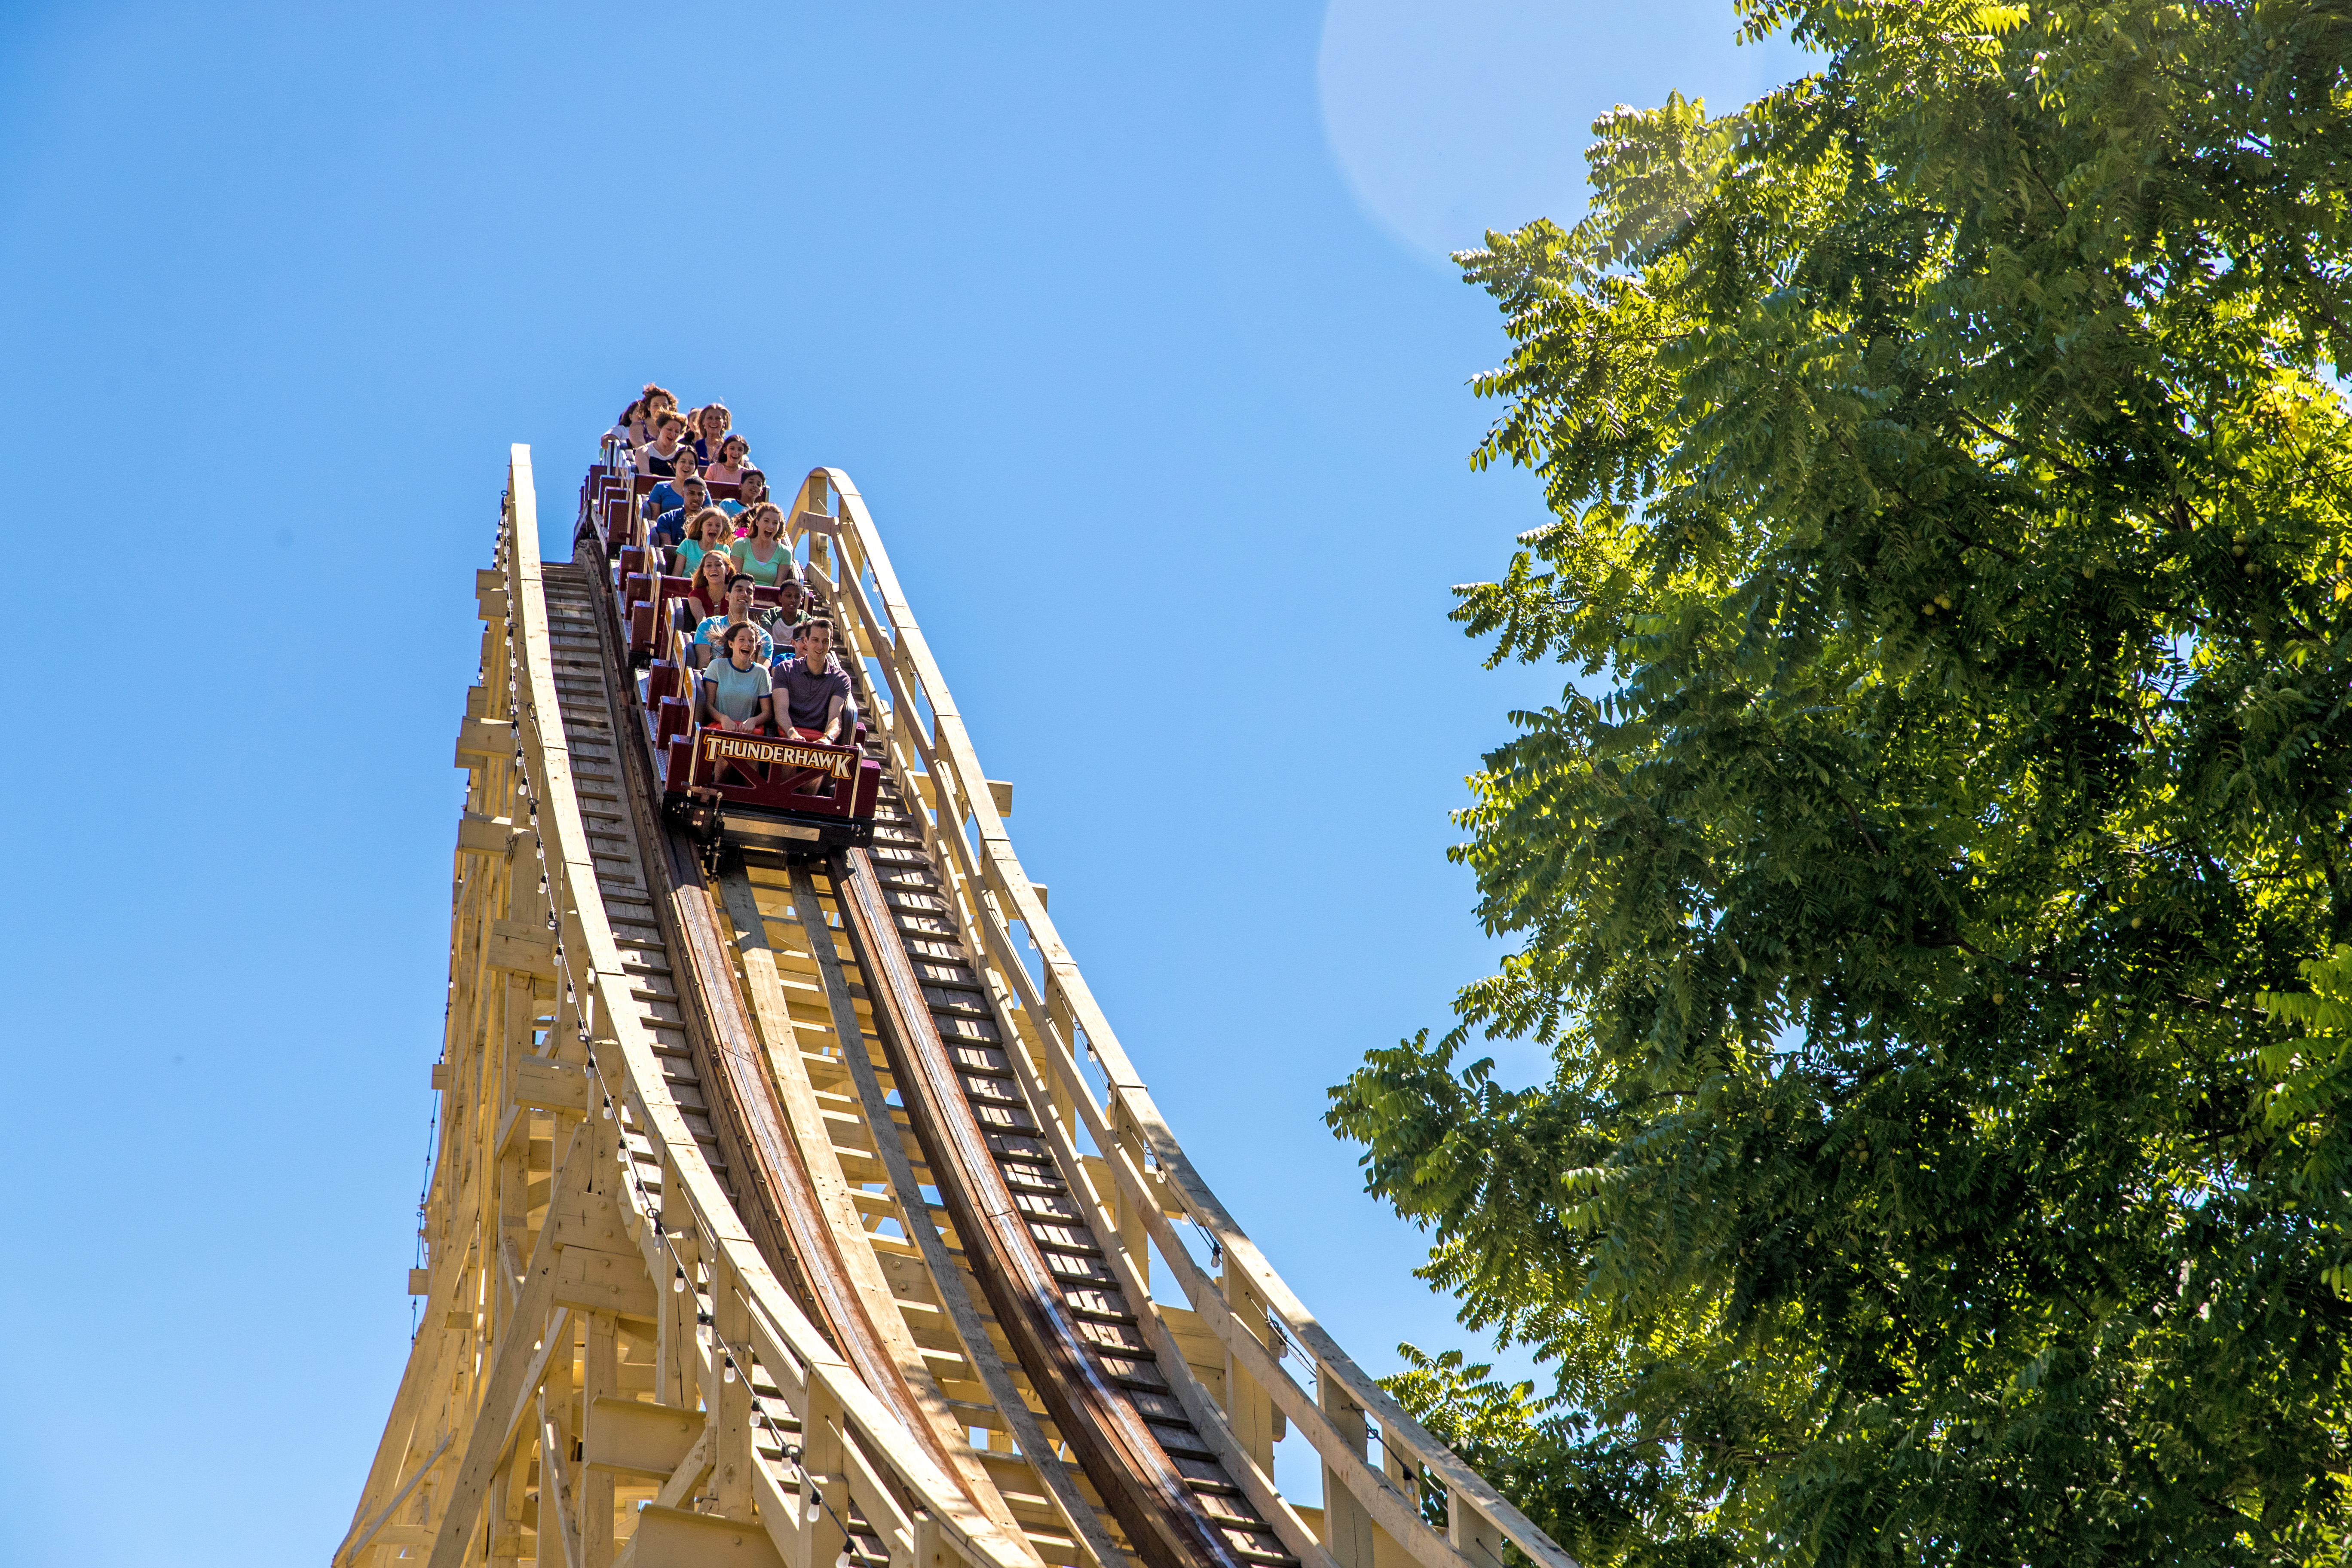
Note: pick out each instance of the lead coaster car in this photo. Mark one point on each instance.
(792, 796)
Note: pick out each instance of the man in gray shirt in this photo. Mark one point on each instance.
(814, 700)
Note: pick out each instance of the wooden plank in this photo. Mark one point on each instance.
(547, 1085)
(528, 952)
(393, 1506)
(631, 1437)
(672, 1537)
(481, 835)
(596, 1281)
(684, 1480)
(484, 740)
(999, 791)
(599, 1384)
(556, 1498)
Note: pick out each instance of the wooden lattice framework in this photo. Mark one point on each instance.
(693, 1296)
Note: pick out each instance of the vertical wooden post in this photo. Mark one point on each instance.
(600, 1377)
(1347, 1527)
(1247, 1405)
(826, 1467)
(1473, 1535)
(729, 1403)
(506, 1494)
(555, 1411)
(675, 1381)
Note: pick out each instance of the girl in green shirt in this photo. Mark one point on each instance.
(764, 555)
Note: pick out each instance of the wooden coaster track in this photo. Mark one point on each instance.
(774, 1218)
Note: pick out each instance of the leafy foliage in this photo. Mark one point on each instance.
(1952, 503)
(1608, 1495)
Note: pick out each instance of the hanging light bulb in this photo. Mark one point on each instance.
(729, 1376)
(677, 1285)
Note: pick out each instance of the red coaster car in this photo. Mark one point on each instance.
(775, 793)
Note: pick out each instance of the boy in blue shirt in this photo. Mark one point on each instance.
(713, 632)
(669, 494)
(669, 525)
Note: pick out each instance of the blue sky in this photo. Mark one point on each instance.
(1136, 332)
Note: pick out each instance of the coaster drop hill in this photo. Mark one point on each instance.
(786, 1208)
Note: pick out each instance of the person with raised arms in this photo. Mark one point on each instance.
(636, 428)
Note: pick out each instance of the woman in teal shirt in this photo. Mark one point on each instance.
(736, 691)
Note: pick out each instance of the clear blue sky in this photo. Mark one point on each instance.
(1131, 323)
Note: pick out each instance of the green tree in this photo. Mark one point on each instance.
(1951, 496)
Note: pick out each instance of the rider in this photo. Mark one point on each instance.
(714, 630)
(736, 692)
(669, 525)
(814, 700)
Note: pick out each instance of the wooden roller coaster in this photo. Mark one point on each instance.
(788, 1207)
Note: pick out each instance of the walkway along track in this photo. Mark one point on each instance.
(765, 1191)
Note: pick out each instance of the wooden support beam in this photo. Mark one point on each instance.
(555, 1499)
(630, 1438)
(600, 1381)
(512, 1355)
(546, 1085)
(672, 1537)
(481, 835)
(351, 1554)
(685, 1479)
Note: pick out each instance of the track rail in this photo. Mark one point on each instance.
(775, 1219)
